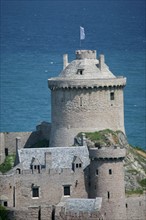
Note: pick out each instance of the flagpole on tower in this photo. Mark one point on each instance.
(82, 34)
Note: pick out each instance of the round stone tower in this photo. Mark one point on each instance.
(85, 97)
(107, 180)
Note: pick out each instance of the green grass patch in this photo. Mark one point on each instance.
(7, 164)
(101, 137)
(98, 135)
(143, 183)
(3, 213)
(136, 191)
(133, 171)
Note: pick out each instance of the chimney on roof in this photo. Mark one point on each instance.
(18, 141)
(65, 61)
(101, 62)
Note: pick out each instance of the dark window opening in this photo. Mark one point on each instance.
(13, 196)
(53, 214)
(112, 96)
(80, 71)
(73, 167)
(35, 167)
(126, 205)
(97, 172)
(78, 165)
(108, 195)
(5, 203)
(66, 190)
(81, 101)
(39, 214)
(6, 152)
(18, 171)
(35, 192)
(110, 171)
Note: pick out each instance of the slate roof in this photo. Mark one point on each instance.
(62, 157)
(84, 205)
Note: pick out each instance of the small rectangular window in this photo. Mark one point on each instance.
(108, 195)
(97, 172)
(80, 165)
(5, 203)
(35, 192)
(80, 71)
(66, 190)
(77, 165)
(81, 101)
(6, 152)
(112, 96)
(110, 171)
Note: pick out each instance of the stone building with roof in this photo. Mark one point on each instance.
(65, 181)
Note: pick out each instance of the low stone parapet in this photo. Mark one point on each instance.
(105, 153)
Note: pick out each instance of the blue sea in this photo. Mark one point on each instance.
(36, 33)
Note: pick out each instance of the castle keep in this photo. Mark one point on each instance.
(85, 97)
(68, 180)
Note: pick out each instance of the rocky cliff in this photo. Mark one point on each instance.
(134, 162)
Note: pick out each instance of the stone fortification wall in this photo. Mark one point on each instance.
(10, 140)
(135, 210)
(31, 213)
(136, 207)
(17, 188)
(84, 110)
(2, 147)
(27, 139)
(107, 181)
(106, 152)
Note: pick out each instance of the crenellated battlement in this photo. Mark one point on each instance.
(105, 153)
(85, 54)
(58, 83)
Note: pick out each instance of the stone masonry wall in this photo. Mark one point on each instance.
(107, 181)
(2, 147)
(27, 139)
(31, 213)
(18, 187)
(81, 110)
(136, 207)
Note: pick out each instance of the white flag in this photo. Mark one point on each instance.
(82, 33)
